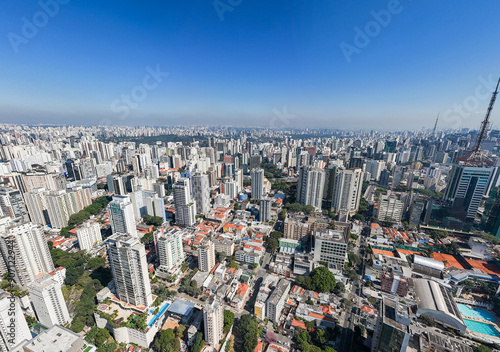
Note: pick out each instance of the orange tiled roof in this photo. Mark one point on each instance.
(485, 267)
(299, 324)
(451, 261)
(380, 251)
(367, 309)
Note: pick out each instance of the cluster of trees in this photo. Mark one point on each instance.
(320, 280)
(228, 320)
(297, 207)
(148, 238)
(198, 342)
(248, 332)
(85, 274)
(78, 218)
(438, 234)
(167, 341)
(97, 336)
(153, 220)
(190, 287)
(316, 341)
(270, 170)
(162, 292)
(273, 240)
(353, 259)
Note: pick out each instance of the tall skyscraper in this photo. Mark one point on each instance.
(213, 319)
(156, 207)
(26, 243)
(127, 259)
(206, 256)
(88, 234)
(466, 187)
(59, 208)
(330, 175)
(310, 186)
(121, 215)
(257, 176)
(185, 205)
(46, 296)
(13, 326)
(230, 189)
(201, 192)
(170, 250)
(37, 206)
(12, 204)
(265, 209)
(347, 191)
(374, 167)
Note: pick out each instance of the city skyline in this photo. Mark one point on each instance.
(387, 65)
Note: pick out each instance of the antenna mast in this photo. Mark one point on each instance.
(435, 126)
(476, 151)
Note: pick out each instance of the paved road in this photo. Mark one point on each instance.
(356, 290)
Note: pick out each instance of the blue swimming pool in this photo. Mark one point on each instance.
(159, 314)
(475, 313)
(483, 328)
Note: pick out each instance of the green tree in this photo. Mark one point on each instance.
(322, 279)
(481, 348)
(273, 244)
(198, 342)
(248, 329)
(101, 337)
(167, 341)
(228, 320)
(179, 331)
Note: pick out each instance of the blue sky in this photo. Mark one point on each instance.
(430, 57)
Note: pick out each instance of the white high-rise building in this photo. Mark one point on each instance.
(206, 256)
(257, 176)
(185, 205)
(213, 321)
(238, 177)
(127, 259)
(390, 209)
(347, 190)
(231, 189)
(89, 234)
(48, 301)
(37, 205)
(121, 215)
(170, 250)
(156, 207)
(26, 243)
(59, 209)
(201, 192)
(13, 326)
(374, 167)
(310, 186)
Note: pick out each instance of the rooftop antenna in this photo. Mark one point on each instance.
(435, 126)
(476, 151)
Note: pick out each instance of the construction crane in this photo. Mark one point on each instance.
(435, 126)
(476, 154)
